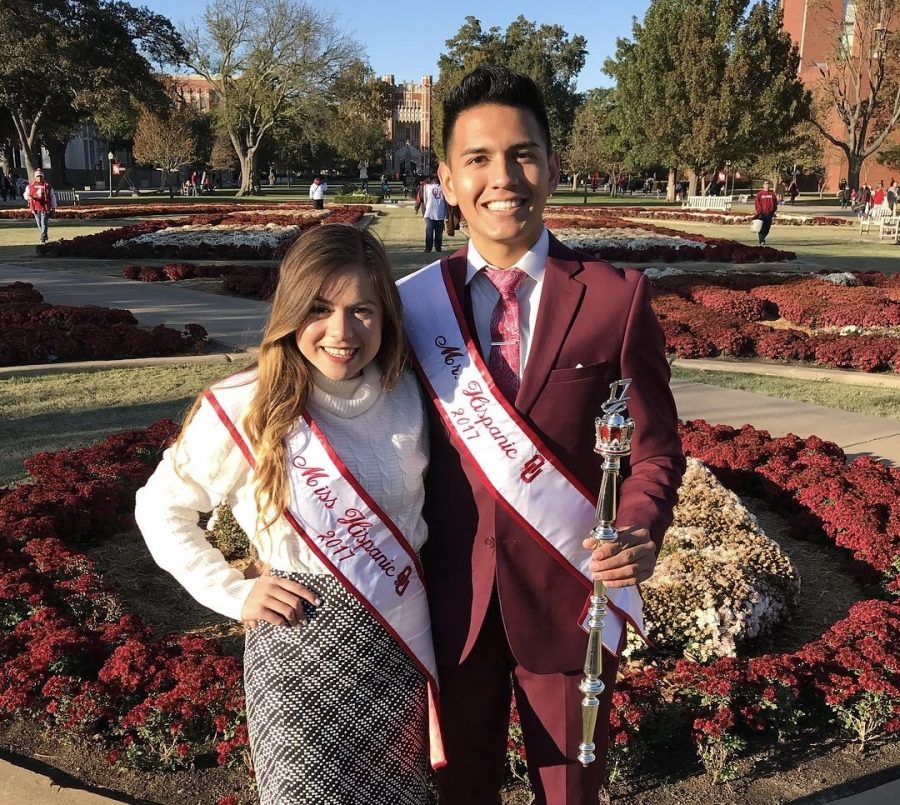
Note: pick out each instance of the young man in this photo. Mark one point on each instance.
(435, 213)
(317, 192)
(766, 203)
(518, 339)
(41, 201)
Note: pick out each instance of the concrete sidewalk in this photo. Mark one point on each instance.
(230, 320)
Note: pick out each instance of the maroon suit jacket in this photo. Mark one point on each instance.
(594, 326)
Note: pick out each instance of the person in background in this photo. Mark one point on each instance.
(435, 213)
(793, 190)
(891, 195)
(766, 203)
(41, 201)
(317, 192)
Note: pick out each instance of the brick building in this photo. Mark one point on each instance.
(409, 129)
(810, 24)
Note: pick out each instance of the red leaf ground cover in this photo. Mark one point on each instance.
(70, 657)
(709, 315)
(832, 684)
(36, 332)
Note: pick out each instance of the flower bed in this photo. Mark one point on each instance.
(71, 658)
(68, 654)
(847, 682)
(609, 236)
(709, 315)
(100, 212)
(246, 235)
(37, 332)
(708, 216)
(250, 281)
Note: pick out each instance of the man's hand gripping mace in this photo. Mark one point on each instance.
(613, 431)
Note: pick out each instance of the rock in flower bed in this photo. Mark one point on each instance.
(36, 332)
(611, 237)
(709, 315)
(69, 657)
(720, 582)
(247, 235)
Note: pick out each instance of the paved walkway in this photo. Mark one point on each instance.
(238, 323)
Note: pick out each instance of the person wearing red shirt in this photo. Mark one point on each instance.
(766, 204)
(41, 201)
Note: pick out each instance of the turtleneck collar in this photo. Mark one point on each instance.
(347, 398)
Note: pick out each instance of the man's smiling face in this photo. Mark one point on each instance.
(498, 172)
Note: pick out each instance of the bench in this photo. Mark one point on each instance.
(66, 197)
(874, 217)
(708, 203)
(889, 228)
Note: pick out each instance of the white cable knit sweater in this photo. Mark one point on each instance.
(379, 435)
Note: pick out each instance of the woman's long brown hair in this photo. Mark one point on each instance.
(284, 377)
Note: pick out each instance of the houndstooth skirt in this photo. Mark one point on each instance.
(337, 712)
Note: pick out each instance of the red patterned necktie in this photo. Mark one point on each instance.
(504, 359)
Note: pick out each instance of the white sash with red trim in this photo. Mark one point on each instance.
(350, 534)
(520, 472)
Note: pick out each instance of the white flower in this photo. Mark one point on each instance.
(635, 239)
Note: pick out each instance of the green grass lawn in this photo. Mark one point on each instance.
(54, 411)
(869, 400)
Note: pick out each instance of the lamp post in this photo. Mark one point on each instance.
(110, 157)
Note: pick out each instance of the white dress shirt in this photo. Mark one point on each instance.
(485, 296)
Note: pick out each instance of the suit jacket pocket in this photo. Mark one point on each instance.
(591, 371)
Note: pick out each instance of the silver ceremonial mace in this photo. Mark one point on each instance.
(614, 430)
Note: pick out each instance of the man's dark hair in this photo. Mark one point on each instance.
(491, 83)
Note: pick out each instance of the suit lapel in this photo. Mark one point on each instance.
(560, 299)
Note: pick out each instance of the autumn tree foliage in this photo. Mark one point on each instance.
(166, 141)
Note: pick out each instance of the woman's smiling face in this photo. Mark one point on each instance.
(342, 333)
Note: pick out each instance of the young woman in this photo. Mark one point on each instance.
(319, 450)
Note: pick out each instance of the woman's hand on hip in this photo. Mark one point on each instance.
(277, 601)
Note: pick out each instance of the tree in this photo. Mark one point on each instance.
(860, 81)
(357, 128)
(890, 157)
(547, 54)
(67, 60)
(802, 149)
(264, 57)
(596, 140)
(703, 83)
(167, 142)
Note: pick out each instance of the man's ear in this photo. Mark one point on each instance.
(446, 178)
(554, 165)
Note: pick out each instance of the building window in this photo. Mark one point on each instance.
(849, 30)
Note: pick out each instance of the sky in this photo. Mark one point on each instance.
(405, 39)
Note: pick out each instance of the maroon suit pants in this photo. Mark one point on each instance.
(475, 706)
